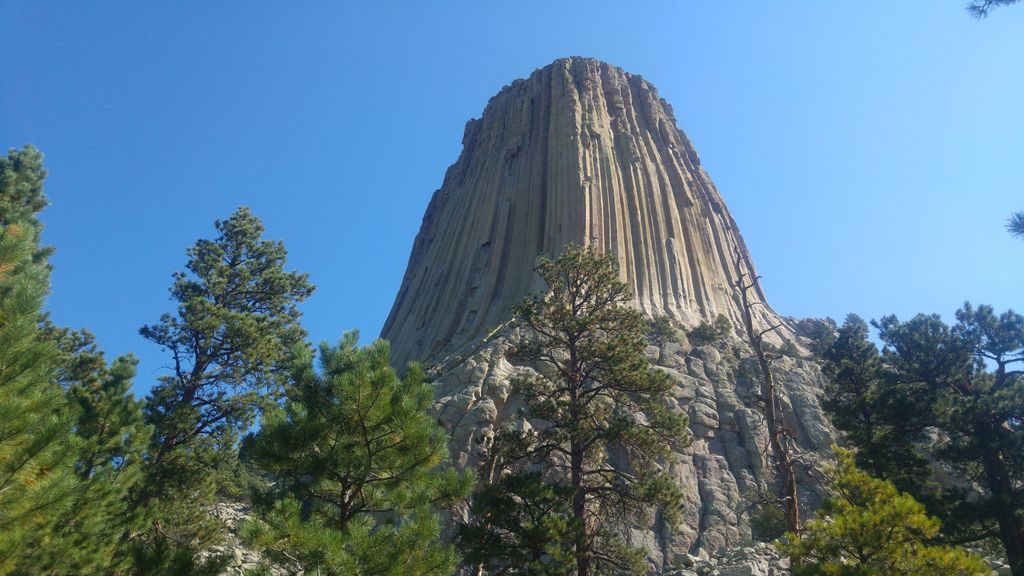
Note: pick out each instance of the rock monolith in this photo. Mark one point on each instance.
(583, 152)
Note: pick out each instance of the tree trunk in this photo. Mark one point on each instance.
(576, 454)
(1011, 528)
(579, 512)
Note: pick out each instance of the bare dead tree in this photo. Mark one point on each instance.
(779, 439)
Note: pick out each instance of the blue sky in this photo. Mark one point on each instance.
(870, 151)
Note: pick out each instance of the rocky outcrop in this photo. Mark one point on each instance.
(240, 559)
(580, 152)
(760, 559)
(722, 471)
(583, 152)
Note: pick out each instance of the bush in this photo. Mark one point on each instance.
(707, 332)
(723, 326)
(869, 528)
(768, 523)
(789, 349)
(661, 327)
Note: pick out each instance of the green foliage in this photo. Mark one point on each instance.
(21, 186)
(236, 320)
(37, 449)
(881, 420)
(162, 556)
(21, 194)
(709, 332)
(868, 528)
(522, 522)
(821, 334)
(108, 423)
(598, 396)
(703, 332)
(71, 434)
(788, 348)
(723, 326)
(948, 395)
(768, 523)
(48, 520)
(358, 468)
(661, 327)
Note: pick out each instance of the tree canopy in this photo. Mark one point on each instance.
(229, 342)
(357, 463)
(939, 411)
(868, 528)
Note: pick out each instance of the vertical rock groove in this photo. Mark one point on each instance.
(580, 152)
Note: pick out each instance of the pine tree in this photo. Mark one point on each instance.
(357, 468)
(950, 396)
(37, 449)
(602, 430)
(100, 422)
(882, 421)
(868, 528)
(236, 320)
(21, 194)
(521, 525)
(108, 424)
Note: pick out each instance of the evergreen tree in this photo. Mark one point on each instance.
(521, 525)
(868, 528)
(882, 421)
(21, 193)
(356, 461)
(37, 449)
(953, 397)
(601, 425)
(108, 423)
(237, 318)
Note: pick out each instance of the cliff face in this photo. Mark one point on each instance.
(580, 152)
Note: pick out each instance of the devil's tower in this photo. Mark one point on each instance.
(580, 152)
(583, 152)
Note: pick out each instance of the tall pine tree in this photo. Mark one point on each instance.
(602, 430)
(37, 448)
(237, 318)
(97, 420)
(882, 421)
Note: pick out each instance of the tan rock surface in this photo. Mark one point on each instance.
(717, 386)
(580, 152)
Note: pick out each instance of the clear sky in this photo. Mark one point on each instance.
(870, 151)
